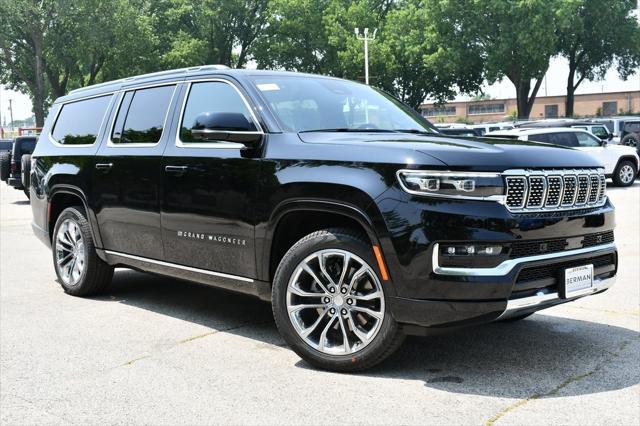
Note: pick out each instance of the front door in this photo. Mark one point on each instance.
(127, 173)
(210, 188)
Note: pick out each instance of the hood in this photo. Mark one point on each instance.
(479, 154)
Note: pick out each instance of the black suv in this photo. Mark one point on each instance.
(330, 198)
(15, 165)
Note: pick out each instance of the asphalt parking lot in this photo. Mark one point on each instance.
(160, 351)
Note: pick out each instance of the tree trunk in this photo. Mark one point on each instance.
(522, 99)
(38, 93)
(568, 107)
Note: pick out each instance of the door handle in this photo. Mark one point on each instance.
(105, 167)
(176, 169)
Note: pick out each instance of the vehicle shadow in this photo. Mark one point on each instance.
(21, 203)
(611, 187)
(510, 360)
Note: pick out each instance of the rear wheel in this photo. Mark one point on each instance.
(329, 303)
(5, 165)
(25, 173)
(625, 173)
(632, 139)
(80, 271)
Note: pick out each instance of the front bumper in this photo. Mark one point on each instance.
(520, 298)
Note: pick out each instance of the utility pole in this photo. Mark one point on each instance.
(367, 39)
(11, 113)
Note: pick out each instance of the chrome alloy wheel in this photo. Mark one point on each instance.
(335, 302)
(626, 173)
(70, 254)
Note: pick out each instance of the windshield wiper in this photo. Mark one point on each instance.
(350, 130)
(415, 131)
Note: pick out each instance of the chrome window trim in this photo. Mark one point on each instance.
(216, 144)
(177, 266)
(62, 105)
(122, 93)
(507, 266)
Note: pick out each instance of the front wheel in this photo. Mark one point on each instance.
(80, 271)
(625, 173)
(329, 303)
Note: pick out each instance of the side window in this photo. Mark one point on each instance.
(214, 106)
(78, 122)
(564, 139)
(587, 140)
(539, 138)
(142, 115)
(600, 131)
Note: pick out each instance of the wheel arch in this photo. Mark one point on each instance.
(629, 158)
(63, 196)
(306, 216)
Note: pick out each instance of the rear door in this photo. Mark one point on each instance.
(127, 172)
(210, 187)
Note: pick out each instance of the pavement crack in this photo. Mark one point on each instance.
(556, 389)
(135, 360)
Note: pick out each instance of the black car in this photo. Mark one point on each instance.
(630, 135)
(331, 199)
(15, 165)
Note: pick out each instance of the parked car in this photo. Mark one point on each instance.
(621, 163)
(333, 200)
(597, 129)
(490, 127)
(631, 134)
(615, 125)
(5, 145)
(17, 161)
(459, 131)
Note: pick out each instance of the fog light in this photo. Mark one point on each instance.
(471, 250)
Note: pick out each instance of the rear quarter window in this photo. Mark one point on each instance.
(79, 122)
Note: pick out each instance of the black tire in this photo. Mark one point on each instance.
(5, 165)
(516, 318)
(625, 173)
(632, 139)
(389, 336)
(95, 275)
(25, 174)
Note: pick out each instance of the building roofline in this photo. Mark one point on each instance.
(537, 97)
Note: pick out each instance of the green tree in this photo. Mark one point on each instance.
(196, 32)
(514, 38)
(593, 39)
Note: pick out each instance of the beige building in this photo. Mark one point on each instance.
(586, 105)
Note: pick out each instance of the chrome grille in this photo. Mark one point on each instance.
(569, 196)
(554, 190)
(544, 190)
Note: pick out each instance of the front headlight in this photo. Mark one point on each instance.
(463, 185)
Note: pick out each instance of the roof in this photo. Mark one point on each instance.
(170, 75)
(522, 131)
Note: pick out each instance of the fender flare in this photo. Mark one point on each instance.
(318, 205)
(77, 192)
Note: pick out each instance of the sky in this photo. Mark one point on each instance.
(555, 85)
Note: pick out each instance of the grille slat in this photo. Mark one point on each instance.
(543, 190)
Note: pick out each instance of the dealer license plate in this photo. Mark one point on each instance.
(577, 279)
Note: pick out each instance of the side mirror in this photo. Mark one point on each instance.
(225, 126)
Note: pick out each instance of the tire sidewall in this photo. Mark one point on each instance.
(299, 252)
(77, 216)
(616, 175)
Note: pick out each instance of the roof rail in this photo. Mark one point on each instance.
(153, 74)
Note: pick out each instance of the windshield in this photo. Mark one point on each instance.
(307, 104)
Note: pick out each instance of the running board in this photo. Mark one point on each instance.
(230, 282)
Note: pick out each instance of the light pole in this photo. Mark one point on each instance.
(11, 113)
(366, 38)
